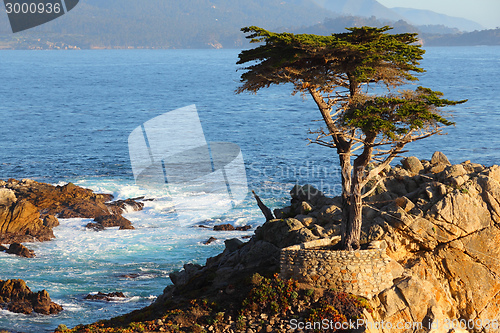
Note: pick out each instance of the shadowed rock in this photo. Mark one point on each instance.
(15, 296)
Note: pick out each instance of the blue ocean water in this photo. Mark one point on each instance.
(66, 116)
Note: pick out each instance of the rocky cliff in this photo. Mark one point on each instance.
(28, 209)
(441, 224)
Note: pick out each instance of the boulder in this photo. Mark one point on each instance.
(330, 213)
(107, 221)
(7, 197)
(50, 221)
(456, 170)
(100, 296)
(223, 227)
(209, 241)
(306, 193)
(232, 244)
(20, 222)
(284, 233)
(439, 158)
(15, 296)
(412, 164)
(20, 250)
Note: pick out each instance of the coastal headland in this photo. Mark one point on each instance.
(433, 225)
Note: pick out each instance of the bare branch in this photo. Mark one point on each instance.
(373, 188)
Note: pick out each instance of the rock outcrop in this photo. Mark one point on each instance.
(28, 209)
(15, 296)
(108, 297)
(441, 223)
(20, 250)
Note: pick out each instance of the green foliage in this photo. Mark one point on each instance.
(396, 115)
(272, 295)
(364, 54)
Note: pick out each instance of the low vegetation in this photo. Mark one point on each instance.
(269, 305)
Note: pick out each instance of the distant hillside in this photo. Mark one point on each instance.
(427, 17)
(338, 24)
(206, 23)
(171, 24)
(365, 8)
(475, 38)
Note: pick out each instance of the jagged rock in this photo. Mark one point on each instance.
(412, 164)
(284, 233)
(50, 221)
(306, 193)
(15, 296)
(439, 158)
(224, 227)
(232, 244)
(443, 239)
(306, 220)
(210, 241)
(20, 250)
(23, 201)
(107, 221)
(182, 277)
(405, 203)
(283, 213)
(331, 213)
(20, 222)
(121, 206)
(100, 296)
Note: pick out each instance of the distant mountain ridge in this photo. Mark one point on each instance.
(201, 23)
(427, 17)
(366, 8)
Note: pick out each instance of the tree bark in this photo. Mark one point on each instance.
(345, 169)
(353, 227)
(353, 232)
(344, 151)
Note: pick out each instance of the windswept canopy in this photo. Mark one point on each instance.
(345, 60)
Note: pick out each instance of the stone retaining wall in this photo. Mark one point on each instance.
(364, 272)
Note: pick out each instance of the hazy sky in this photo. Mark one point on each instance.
(485, 12)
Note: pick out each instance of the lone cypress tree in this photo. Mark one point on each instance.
(333, 70)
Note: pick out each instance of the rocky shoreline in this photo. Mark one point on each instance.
(29, 210)
(16, 296)
(441, 226)
(440, 223)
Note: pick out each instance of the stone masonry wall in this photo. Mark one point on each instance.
(364, 272)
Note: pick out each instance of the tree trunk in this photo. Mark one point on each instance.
(346, 169)
(353, 232)
(355, 219)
